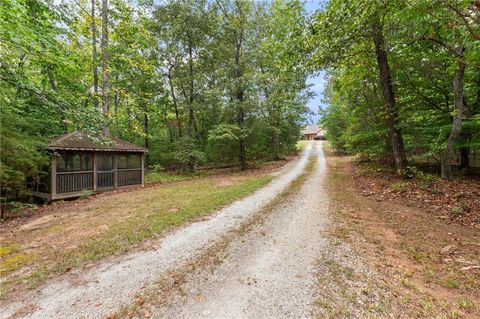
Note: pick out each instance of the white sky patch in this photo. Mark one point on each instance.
(318, 83)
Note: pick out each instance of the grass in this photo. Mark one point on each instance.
(466, 304)
(400, 186)
(451, 281)
(112, 225)
(192, 201)
(301, 145)
(14, 262)
(11, 258)
(8, 250)
(156, 177)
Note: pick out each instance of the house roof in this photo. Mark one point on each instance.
(321, 133)
(82, 141)
(311, 129)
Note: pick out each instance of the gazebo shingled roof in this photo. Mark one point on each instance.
(81, 141)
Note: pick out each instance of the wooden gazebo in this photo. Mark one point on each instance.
(81, 163)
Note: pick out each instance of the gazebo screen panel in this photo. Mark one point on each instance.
(129, 169)
(74, 171)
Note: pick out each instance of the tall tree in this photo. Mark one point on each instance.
(343, 31)
(426, 52)
(282, 62)
(105, 70)
(456, 42)
(94, 54)
(396, 139)
(237, 17)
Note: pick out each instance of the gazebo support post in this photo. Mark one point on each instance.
(94, 157)
(115, 173)
(53, 177)
(143, 169)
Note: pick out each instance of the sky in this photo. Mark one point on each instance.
(317, 81)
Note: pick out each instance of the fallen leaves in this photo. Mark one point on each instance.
(470, 268)
(140, 300)
(455, 201)
(433, 248)
(448, 249)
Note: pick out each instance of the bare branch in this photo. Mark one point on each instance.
(81, 7)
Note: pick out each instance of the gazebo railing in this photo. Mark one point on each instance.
(129, 176)
(105, 179)
(83, 180)
(74, 181)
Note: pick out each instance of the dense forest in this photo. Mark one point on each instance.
(224, 82)
(194, 81)
(404, 80)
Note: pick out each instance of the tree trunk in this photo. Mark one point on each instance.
(116, 102)
(145, 132)
(54, 86)
(273, 120)
(106, 84)
(94, 56)
(191, 118)
(477, 100)
(276, 145)
(242, 156)
(170, 133)
(175, 104)
(20, 65)
(396, 140)
(240, 96)
(457, 120)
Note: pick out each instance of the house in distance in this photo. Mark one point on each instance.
(313, 132)
(82, 163)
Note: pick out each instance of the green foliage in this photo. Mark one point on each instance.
(165, 177)
(224, 134)
(223, 143)
(19, 156)
(186, 154)
(175, 77)
(425, 40)
(85, 194)
(18, 206)
(400, 186)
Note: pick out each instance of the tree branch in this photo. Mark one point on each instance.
(465, 21)
(81, 7)
(451, 48)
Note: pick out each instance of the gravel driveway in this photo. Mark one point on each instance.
(105, 288)
(271, 271)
